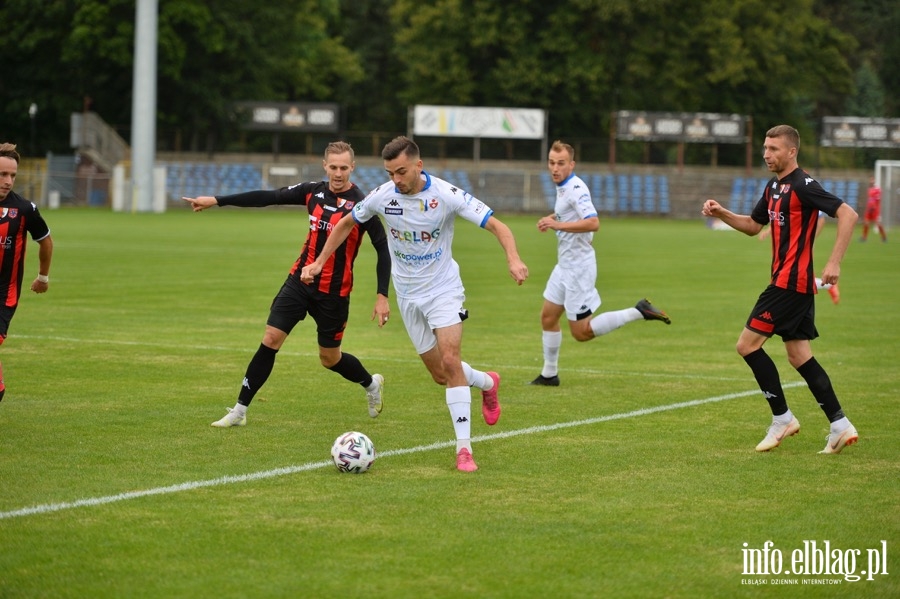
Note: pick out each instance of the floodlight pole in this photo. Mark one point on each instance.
(143, 112)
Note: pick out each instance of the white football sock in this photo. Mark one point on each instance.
(608, 322)
(783, 418)
(839, 426)
(477, 378)
(240, 408)
(551, 341)
(459, 401)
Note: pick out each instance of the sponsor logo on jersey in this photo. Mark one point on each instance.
(396, 211)
(420, 259)
(315, 224)
(776, 218)
(415, 236)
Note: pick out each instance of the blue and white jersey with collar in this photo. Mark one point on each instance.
(420, 232)
(573, 203)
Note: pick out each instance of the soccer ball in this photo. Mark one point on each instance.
(353, 452)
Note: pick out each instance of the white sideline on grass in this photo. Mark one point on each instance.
(48, 508)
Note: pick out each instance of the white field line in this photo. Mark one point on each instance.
(48, 508)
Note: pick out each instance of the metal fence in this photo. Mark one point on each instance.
(636, 191)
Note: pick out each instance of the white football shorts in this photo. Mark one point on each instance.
(574, 289)
(422, 315)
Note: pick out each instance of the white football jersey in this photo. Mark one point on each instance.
(420, 233)
(573, 203)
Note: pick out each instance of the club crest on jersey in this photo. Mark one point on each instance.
(785, 187)
(342, 203)
(429, 204)
(11, 212)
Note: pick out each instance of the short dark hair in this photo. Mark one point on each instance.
(786, 131)
(8, 150)
(400, 145)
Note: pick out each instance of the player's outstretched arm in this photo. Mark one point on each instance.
(739, 222)
(201, 202)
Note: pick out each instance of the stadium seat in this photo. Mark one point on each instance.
(622, 192)
(595, 184)
(636, 185)
(664, 194)
(840, 188)
(609, 184)
(549, 190)
(737, 194)
(649, 194)
(852, 198)
(753, 189)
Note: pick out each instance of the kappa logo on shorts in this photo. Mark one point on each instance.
(766, 315)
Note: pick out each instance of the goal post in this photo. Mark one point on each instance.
(887, 177)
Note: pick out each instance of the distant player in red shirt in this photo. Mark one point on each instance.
(18, 219)
(791, 203)
(327, 298)
(873, 212)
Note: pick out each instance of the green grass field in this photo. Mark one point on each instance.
(636, 478)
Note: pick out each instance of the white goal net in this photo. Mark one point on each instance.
(887, 177)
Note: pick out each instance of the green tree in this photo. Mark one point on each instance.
(584, 58)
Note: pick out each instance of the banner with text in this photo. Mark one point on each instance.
(287, 116)
(689, 127)
(860, 132)
(463, 121)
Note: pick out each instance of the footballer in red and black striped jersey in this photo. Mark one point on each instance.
(327, 298)
(19, 219)
(791, 202)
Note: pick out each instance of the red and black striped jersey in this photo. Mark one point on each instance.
(18, 217)
(792, 205)
(325, 209)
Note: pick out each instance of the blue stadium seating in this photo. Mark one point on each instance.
(737, 195)
(664, 195)
(610, 184)
(622, 193)
(852, 198)
(194, 179)
(636, 194)
(649, 194)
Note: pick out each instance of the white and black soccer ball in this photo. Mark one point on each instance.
(353, 452)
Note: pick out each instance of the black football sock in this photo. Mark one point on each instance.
(820, 385)
(769, 381)
(257, 374)
(352, 369)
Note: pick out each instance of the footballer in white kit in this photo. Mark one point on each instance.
(420, 212)
(571, 289)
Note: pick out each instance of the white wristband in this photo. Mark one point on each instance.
(43, 278)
